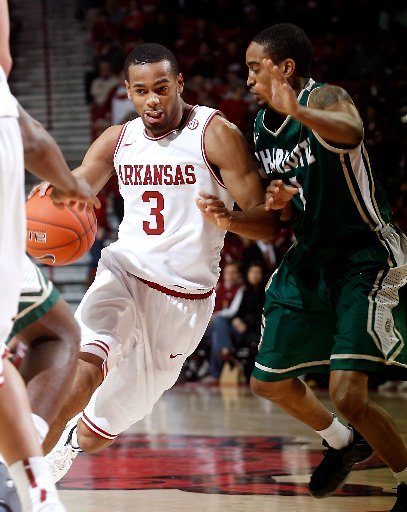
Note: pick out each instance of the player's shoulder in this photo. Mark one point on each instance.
(325, 95)
(113, 134)
(220, 126)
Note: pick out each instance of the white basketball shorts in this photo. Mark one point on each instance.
(144, 335)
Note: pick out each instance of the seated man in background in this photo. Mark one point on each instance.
(239, 326)
(229, 291)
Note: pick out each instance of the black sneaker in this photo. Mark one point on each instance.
(401, 503)
(9, 501)
(335, 467)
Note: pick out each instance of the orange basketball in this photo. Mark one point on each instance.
(58, 237)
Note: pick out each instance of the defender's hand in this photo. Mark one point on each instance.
(214, 210)
(278, 194)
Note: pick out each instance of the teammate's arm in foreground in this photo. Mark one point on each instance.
(44, 159)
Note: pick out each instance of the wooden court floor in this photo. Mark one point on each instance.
(220, 450)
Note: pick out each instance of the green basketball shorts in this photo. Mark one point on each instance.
(37, 297)
(347, 312)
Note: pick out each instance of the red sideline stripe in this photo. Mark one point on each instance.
(172, 293)
(95, 429)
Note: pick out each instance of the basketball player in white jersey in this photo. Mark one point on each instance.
(153, 296)
(19, 443)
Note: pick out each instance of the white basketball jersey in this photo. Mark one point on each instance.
(8, 104)
(163, 237)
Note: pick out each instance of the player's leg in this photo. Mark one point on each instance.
(20, 446)
(106, 316)
(88, 376)
(298, 338)
(370, 328)
(349, 392)
(49, 365)
(152, 366)
(296, 399)
(372, 309)
(150, 361)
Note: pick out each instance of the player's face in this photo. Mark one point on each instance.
(257, 74)
(155, 92)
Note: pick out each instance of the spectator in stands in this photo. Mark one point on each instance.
(239, 325)
(118, 103)
(228, 290)
(103, 84)
(99, 91)
(203, 64)
(235, 105)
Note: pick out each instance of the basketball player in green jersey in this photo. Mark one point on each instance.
(338, 300)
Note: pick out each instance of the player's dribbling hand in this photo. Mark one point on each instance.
(82, 195)
(214, 210)
(278, 194)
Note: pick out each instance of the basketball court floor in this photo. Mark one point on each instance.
(220, 450)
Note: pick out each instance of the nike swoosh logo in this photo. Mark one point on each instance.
(172, 356)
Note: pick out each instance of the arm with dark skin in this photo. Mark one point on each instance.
(44, 159)
(97, 166)
(227, 148)
(330, 113)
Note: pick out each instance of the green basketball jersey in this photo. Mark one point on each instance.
(339, 198)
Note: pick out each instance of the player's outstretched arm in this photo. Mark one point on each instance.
(330, 111)
(227, 148)
(44, 159)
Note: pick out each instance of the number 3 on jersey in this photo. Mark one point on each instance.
(155, 211)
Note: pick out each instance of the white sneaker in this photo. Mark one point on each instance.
(61, 457)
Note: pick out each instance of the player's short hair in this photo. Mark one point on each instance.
(148, 53)
(287, 41)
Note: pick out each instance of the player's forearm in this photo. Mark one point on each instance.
(45, 160)
(255, 223)
(42, 156)
(338, 127)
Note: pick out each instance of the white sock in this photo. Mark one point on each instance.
(41, 426)
(401, 477)
(337, 435)
(33, 483)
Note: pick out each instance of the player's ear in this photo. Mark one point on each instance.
(180, 83)
(126, 83)
(288, 67)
